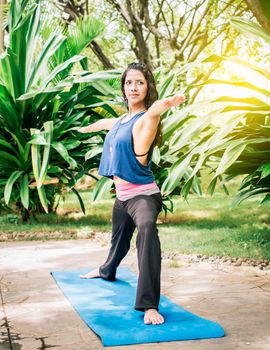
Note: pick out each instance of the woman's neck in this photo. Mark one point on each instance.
(135, 109)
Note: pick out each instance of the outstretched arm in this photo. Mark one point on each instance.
(102, 124)
(145, 131)
(152, 117)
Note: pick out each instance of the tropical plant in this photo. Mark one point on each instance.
(239, 146)
(41, 106)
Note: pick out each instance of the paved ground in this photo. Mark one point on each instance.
(35, 314)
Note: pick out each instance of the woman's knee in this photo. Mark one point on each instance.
(147, 225)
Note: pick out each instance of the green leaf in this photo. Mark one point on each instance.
(43, 198)
(223, 185)
(35, 152)
(6, 145)
(173, 122)
(244, 84)
(48, 134)
(212, 186)
(186, 188)
(266, 198)
(93, 152)
(190, 130)
(168, 86)
(49, 48)
(265, 168)
(9, 185)
(250, 100)
(72, 144)
(233, 151)
(250, 28)
(40, 92)
(79, 35)
(37, 138)
(98, 76)
(247, 194)
(101, 188)
(14, 162)
(8, 108)
(79, 199)
(196, 186)
(24, 191)
(214, 58)
(61, 149)
(230, 155)
(176, 173)
(60, 68)
(156, 155)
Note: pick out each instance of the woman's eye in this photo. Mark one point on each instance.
(137, 83)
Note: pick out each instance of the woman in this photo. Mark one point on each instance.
(126, 158)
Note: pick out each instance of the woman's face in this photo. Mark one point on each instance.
(135, 87)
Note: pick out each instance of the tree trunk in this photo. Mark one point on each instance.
(257, 8)
(100, 55)
(2, 31)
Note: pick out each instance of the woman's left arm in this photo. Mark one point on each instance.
(152, 116)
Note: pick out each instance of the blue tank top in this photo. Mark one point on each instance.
(118, 157)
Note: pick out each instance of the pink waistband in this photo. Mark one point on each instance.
(129, 189)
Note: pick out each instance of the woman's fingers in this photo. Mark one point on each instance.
(177, 100)
(84, 129)
(173, 101)
(161, 106)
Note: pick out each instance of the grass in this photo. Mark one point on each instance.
(203, 225)
(209, 226)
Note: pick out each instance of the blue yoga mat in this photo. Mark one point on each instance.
(108, 309)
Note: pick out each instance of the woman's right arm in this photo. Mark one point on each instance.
(102, 124)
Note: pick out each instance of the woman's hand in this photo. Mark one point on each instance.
(173, 101)
(161, 106)
(85, 129)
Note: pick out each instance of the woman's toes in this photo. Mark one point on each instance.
(147, 319)
(152, 316)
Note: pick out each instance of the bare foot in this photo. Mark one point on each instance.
(152, 316)
(91, 274)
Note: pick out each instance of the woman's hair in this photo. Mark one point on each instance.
(151, 95)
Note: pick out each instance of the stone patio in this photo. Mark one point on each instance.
(36, 315)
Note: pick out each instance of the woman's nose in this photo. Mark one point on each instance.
(134, 86)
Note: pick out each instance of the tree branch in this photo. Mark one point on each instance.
(123, 12)
(100, 54)
(256, 8)
(192, 30)
(135, 24)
